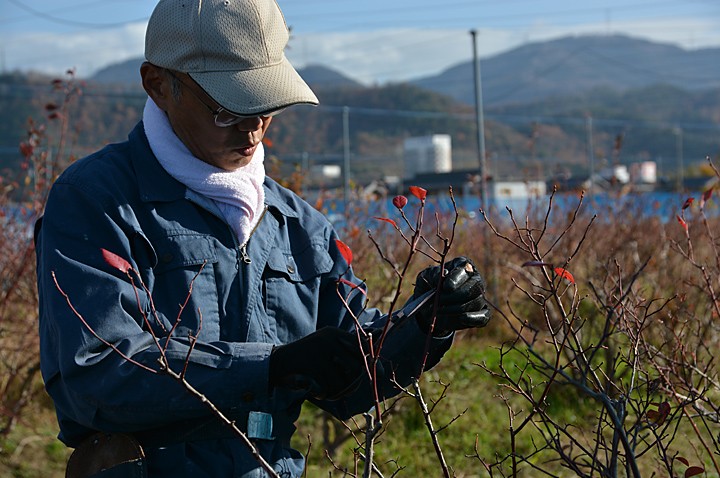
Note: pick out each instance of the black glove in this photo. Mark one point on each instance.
(329, 364)
(461, 300)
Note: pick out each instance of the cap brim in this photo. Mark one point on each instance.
(256, 91)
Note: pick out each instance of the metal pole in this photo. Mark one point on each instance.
(480, 125)
(305, 167)
(346, 156)
(591, 152)
(681, 167)
(490, 266)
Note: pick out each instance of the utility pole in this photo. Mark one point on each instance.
(346, 157)
(479, 119)
(591, 152)
(679, 147)
(490, 267)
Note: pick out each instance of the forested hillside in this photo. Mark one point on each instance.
(543, 125)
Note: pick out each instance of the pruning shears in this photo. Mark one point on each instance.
(401, 316)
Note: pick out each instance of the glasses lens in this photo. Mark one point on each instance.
(224, 118)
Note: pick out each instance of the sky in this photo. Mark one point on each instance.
(373, 41)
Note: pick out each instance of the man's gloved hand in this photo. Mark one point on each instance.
(461, 300)
(328, 363)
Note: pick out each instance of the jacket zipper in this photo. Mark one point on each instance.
(243, 249)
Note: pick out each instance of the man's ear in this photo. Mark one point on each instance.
(156, 85)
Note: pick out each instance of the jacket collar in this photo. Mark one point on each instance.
(156, 185)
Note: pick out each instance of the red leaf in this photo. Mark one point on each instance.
(682, 223)
(418, 192)
(658, 417)
(693, 471)
(354, 286)
(26, 149)
(688, 203)
(116, 261)
(565, 274)
(389, 221)
(683, 460)
(536, 264)
(706, 197)
(345, 251)
(399, 201)
(51, 107)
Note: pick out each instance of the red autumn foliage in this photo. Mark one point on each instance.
(688, 203)
(682, 223)
(565, 274)
(353, 286)
(658, 417)
(345, 251)
(418, 192)
(694, 471)
(706, 197)
(399, 201)
(389, 221)
(116, 261)
(26, 149)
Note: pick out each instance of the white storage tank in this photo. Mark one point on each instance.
(644, 172)
(427, 154)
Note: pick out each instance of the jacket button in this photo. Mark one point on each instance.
(290, 269)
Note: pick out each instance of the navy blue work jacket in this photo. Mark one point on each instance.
(244, 301)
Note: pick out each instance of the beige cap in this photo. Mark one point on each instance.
(234, 49)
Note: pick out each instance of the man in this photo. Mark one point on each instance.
(186, 202)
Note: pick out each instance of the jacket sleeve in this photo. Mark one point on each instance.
(403, 351)
(87, 335)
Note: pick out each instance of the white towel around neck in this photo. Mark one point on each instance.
(238, 194)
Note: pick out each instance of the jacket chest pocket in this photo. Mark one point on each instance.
(185, 271)
(291, 289)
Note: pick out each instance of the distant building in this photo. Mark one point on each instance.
(644, 172)
(517, 189)
(324, 173)
(427, 154)
(616, 174)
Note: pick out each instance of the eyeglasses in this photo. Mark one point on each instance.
(224, 118)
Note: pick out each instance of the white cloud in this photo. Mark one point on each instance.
(86, 51)
(402, 54)
(370, 57)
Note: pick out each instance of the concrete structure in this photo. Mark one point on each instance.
(644, 172)
(517, 189)
(616, 174)
(325, 172)
(427, 154)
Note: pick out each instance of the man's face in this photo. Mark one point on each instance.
(228, 148)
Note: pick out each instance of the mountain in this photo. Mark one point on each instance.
(646, 101)
(319, 76)
(127, 73)
(536, 71)
(573, 65)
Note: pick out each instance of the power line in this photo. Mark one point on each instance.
(75, 23)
